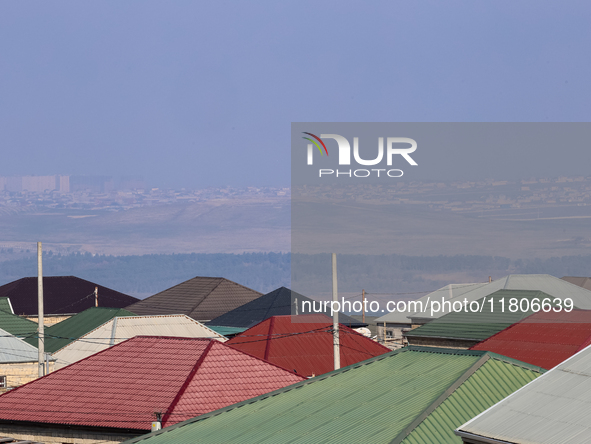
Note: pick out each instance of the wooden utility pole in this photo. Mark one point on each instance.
(40, 313)
(335, 316)
(363, 305)
(96, 296)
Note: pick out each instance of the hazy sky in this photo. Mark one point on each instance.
(201, 94)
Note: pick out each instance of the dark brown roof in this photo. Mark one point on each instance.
(584, 282)
(279, 302)
(201, 298)
(61, 295)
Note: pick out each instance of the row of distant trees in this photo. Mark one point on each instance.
(149, 274)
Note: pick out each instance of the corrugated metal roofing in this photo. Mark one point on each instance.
(61, 334)
(124, 385)
(17, 326)
(584, 282)
(493, 381)
(279, 302)
(381, 400)
(61, 294)
(304, 343)
(119, 329)
(542, 282)
(5, 305)
(542, 339)
(226, 331)
(480, 325)
(13, 349)
(202, 298)
(450, 292)
(553, 409)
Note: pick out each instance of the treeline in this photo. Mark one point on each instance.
(148, 274)
(398, 273)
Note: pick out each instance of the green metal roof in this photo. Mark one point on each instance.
(483, 324)
(225, 331)
(17, 326)
(494, 380)
(61, 334)
(5, 305)
(384, 399)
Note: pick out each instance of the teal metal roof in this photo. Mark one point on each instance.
(61, 334)
(483, 324)
(390, 398)
(17, 326)
(225, 331)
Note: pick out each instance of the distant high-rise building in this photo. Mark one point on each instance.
(64, 184)
(38, 184)
(35, 184)
(95, 184)
(14, 183)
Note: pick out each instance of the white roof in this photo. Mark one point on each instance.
(550, 285)
(13, 349)
(448, 293)
(554, 408)
(122, 328)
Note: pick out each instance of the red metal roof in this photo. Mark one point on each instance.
(542, 339)
(124, 385)
(306, 347)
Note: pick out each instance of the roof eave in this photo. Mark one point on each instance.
(81, 427)
(473, 438)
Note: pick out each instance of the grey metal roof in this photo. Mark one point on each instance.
(119, 329)
(449, 293)
(542, 282)
(13, 349)
(552, 409)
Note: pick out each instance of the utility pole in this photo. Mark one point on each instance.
(96, 296)
(40, 314)
(335, 316)
(363, 305)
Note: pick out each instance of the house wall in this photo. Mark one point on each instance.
(391, 335)
(48, 321)
(20, 373)
(50, 435)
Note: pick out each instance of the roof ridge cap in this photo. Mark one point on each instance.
(243, 286)
(466, 374)
(188, 381)
(197, 304)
